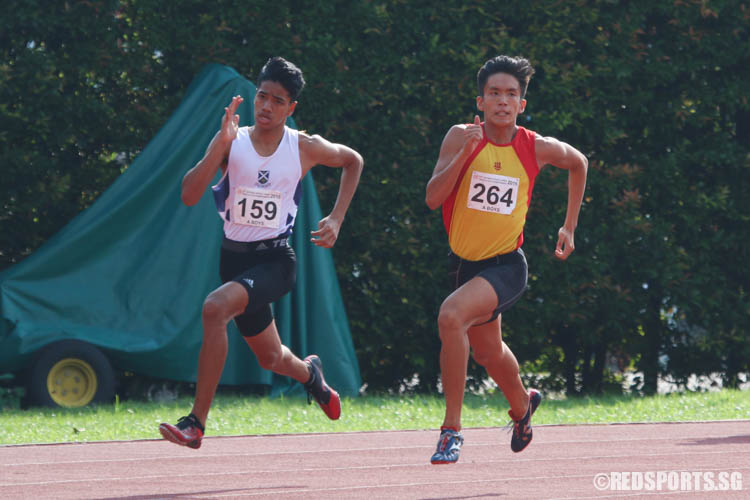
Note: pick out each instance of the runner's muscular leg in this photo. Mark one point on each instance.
(275, 356)
(470, 304)
(491, 352)
(221, 305)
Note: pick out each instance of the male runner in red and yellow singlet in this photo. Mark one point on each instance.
(483, 180)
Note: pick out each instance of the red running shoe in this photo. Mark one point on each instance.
(188, 432)
(316, 387)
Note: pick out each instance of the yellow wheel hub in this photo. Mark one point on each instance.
(72, 382)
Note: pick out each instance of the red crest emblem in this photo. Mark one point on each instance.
(497, 166)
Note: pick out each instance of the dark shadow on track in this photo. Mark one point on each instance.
(486, 495)
(193, 494)
(743, 439)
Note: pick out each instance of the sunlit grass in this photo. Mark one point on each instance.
(244, 415)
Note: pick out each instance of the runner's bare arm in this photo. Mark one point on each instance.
(562, 155)
(198, 178)
(457, 146)
(315, 150)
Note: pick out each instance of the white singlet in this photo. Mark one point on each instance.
(258, 195)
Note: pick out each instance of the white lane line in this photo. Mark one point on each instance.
(473, 444)
(353, 468)
(450, 482)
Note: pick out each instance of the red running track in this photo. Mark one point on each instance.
(562, 462)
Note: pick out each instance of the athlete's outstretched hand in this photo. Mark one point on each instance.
(565, 245)
(230, 121)
(327, 233)
(473, 134)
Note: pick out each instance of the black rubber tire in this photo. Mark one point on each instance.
(37, 392)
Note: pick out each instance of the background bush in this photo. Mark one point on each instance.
(654, 93)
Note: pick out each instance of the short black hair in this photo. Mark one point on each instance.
(278, 69)
(517, 67)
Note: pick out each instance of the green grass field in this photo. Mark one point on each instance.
(246, 415)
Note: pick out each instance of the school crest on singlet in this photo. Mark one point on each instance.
(485, 214)
(258, 195)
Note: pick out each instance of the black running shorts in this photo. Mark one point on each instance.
(266, 269)
(507, 273)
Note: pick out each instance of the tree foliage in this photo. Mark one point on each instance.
(654, 93)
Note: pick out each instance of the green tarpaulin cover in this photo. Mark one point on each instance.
(130, 273)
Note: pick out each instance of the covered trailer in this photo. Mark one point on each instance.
(120, 288)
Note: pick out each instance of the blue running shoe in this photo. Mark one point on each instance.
(448, 447)
(522, 428)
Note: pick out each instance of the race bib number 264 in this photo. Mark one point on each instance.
(493, 193)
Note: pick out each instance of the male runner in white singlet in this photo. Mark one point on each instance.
(257, 197)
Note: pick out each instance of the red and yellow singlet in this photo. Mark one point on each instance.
(485, 214)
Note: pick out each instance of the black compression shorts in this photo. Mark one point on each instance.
(507, 273)
(266, 269)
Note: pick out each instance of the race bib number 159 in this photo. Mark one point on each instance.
(256, 207)
(493, 193)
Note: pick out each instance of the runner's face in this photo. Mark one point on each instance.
(272, 105)
(501, 102)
